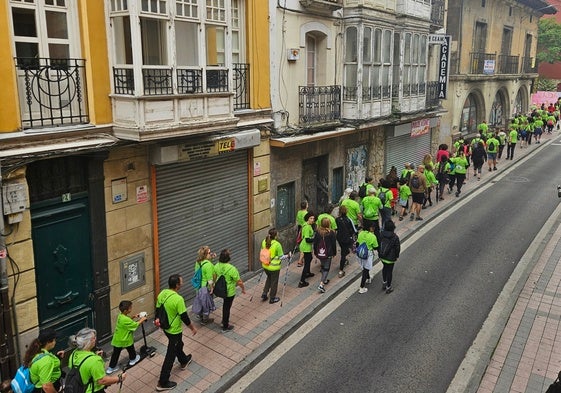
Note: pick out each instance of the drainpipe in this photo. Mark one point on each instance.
(7, 354)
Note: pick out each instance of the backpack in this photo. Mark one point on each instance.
(491, 146)
(362, 251)
(415, 182)
(220, 287)
(22, 380)
(555, 387)
(161, 318)
(265, 255)
(321, 249)
(362, 190)
(197, 279)
(73, 382)
(405, 178)
(385, 247)
(382, 195)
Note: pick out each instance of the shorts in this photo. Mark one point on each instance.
(491, 156)
(538, 131)
(418, 197)
(404, 202)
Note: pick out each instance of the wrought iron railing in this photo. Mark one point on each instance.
(431, 96)
(319, 104)
(386, 92)
(350, 93)
(395, 90)
(529, 66)
(508, 64)
(482, 63)
(189, 81)
(123, 80)
(53, 91)
(241, 86)
(216, 80)
(157, 81)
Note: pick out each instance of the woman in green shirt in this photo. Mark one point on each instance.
(90, 364)
(233, 280)
(203, 304)
(272, 269)
(44, 367)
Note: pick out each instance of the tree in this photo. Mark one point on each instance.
(545, 85)
(549, 44)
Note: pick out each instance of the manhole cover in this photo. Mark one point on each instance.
(517, 179)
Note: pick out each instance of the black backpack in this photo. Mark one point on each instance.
(382, 195)
(555, 387)
(73, 382)
(220, 287)
(161, 315)
(362, 190)
(415, 182)
(385, 248)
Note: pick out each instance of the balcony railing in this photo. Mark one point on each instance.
(168, 81)
(508, 64)
(241, 86)
(52, 91)
(327, 5)
(482, 63)
(529, 66)
(319, 104)
(431, 95)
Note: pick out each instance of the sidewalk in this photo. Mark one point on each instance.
(221, 358)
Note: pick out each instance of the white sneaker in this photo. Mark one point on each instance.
(363, 290)
(111, 370)
(134, 361)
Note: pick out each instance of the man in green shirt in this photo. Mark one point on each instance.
(174, 304)
(512, 139)
(353, 208)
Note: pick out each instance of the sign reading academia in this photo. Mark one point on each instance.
(444, 63)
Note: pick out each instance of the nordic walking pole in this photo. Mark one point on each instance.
(256, 285)
(286, 276)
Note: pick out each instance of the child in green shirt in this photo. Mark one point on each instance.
(123, 336)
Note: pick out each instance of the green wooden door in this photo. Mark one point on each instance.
(61, 245)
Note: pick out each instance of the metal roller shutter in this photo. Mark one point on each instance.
(203, 202)
(404, 148)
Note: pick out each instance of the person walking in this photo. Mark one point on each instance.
(502, 137)
(90, 364)
(512, 139)
(492, 150)
(460, 169)
(306, 248)
(366, 235)
(203, 304)
(325, 248)
(174, 306)
(478, 157)
(346, 234)
(300, 223)
(123, 338)
(232, 276)
(386, 196)
(371, 207)
(404, 194)
(353, 207)
(418, 186)
(272, 270)
(431, 183)
(388, 251)
(44, 366)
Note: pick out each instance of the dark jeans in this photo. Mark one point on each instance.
(272, 283)
(345, 250)
(307, 262)
(387, 273)
(428, 197)
(460, 177)
(501, 148)
(510, 150)
(226, 306)
(117, 353)
(365, 276)
(325, 266)
(451, 181)
(174, 350)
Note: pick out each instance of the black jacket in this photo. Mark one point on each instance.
(389, 247)
(330, 243)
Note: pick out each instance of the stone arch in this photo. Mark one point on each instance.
(317, 29)
(500, 109)
(472, 112)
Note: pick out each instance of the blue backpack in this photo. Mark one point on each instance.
(362, 251)
(22, 380)
(197, 279)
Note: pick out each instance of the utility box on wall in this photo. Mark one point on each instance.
(293, 54)
(133, 273)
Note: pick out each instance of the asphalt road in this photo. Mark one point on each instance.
(446, 282)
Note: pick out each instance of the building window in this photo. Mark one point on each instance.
(337, 185)
(310, 60)
(496, 117)
(286, 211)
(351, 65)
(468, 122)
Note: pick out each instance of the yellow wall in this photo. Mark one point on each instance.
(95, 51)
(9, 109)
(258, 53)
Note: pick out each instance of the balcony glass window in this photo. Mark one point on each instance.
(186, 8)
(154, 41)
(351, 45)
(215, 39)
(122, 41)
(310, 60)
(154, 6)
(186, 43)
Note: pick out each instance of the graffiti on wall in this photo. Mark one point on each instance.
(356, 166)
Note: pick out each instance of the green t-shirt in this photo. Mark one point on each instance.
(124, 329)
(231, 275)
(208, 271)
(332, 224)
(370, 207)
(93, 368)
(353, 209)
(431, 178)
(513, 136)
(389, 196)
(276, 254)
(460, 165)
(404, 192)
(300, 217)
(175, 306)
(494, 143)
(307, 233)
(369, 238)
(44, 369)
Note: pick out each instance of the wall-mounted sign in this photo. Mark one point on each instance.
(119, 190)
(443, 66)
(142, 194)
